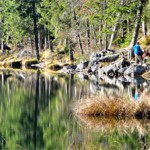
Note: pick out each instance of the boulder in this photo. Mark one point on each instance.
(109, 58)
(122, 63)
(120, 72)
(94, 58)
(136, 80)
(82, 65)
(108, 70)
(55, 67)
(71, 69)
(94, 84)
(135, 70)
(82, 76)
(94, 68)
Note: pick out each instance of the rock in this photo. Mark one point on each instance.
(83, 64)
(94, 68)
(39, 65)
(94, 84)
(55, 67)
(82, 76)
(123, 79)
(135, 70)
(148, 67)
(136, 80)
(30, 63)
(109, 58)
(121, 71)
(108, 70)
(111, 73)
(122, 63)
(89, 70)
(6, 47)
(71, 69)
(94, 58)
(15, 64)
(111, 51)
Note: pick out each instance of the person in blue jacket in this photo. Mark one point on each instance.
(137, 53)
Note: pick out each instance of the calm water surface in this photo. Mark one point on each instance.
(36, 113)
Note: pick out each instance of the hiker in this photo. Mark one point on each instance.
(145, 56)
(137, 53)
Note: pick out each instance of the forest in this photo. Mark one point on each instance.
(44, 110)
(79, 26)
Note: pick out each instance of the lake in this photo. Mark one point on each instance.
(37, 113)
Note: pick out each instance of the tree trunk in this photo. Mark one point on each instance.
(87, 34)
(45, 39)
(50, 45)
(115, 28)
(71, 58)
(144, 28)
(42, 33)
(39, 42)
(128, 26)
(105, 26)
(35, 29)
(2, 45)
(78, 35)
(41, 39)
(80, 44)
(106, 41)
(124, 28)
(100, 37)
(136, 27)
(94, 36)
(32, 44)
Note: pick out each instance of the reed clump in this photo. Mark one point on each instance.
(113, 107)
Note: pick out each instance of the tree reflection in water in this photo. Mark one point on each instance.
(36, 113)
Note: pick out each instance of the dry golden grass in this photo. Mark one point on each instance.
(113, 107)
(146, 75)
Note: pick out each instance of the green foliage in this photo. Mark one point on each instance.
(66, 19)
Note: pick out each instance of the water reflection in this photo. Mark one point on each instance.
(36, 112)
(135, 88)
(108, 133)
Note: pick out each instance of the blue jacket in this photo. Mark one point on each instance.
(137, 50)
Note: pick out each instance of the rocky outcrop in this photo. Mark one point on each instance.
(118, 66)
